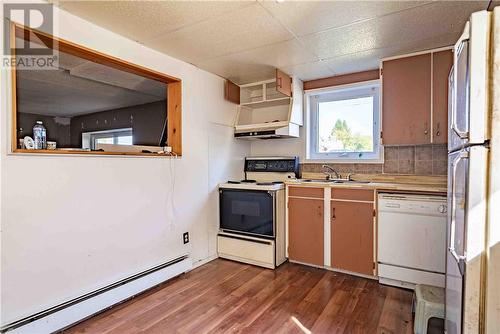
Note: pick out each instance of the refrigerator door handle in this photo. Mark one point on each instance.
(456, 50)
(459, 258)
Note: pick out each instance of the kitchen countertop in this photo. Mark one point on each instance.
(387, 182)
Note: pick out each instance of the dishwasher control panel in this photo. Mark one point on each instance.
(417, 204)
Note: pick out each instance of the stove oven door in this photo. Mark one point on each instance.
(247, 212)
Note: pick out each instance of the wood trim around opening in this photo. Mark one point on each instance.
(342, 79)
(174, 89)
(13, 88)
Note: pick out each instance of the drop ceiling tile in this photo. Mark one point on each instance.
(242, 78)
(413, 25)
(240, 30)
(273, 56)
(145, 19)
(309, 71)
(240, 72)
(305, 17)
(370, 59)
(358, 62)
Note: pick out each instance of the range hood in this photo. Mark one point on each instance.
(267, 130)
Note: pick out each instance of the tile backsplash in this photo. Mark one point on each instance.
(414, 160)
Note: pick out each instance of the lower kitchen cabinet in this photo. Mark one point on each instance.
(305, 230)
(352, 245)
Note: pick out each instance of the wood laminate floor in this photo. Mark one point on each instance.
(225, 296)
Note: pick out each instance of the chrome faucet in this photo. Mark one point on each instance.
(331, 172)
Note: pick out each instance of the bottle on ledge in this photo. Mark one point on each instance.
(40, 136)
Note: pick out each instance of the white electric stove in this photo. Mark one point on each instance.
(252, 212)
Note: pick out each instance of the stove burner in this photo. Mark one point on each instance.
(248, 181)
(242, 181)
(278, 182)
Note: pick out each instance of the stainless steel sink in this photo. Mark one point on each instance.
(348, 181)
(333, 181)
(313, 180)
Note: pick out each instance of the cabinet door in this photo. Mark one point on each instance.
(441, 67)
(231, 92)
(352, 236)
(283, 83)
(406, 100)
(305, 230)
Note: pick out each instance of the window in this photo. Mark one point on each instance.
(116, 136)
(345, 124)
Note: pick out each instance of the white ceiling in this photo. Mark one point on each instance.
(245, 40)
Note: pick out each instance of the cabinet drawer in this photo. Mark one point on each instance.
(306, 192)
(353, 194)
(248, 251)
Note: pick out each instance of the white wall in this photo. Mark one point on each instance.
(71, 224)
(281, 147)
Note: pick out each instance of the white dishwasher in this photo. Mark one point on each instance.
(411, 239)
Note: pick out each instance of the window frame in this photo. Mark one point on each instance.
(336, 93)
(173, 92)
(114, 133)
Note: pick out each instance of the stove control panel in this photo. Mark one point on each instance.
(283, 164)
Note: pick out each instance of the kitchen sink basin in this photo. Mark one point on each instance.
(333, 181)
(348, 181)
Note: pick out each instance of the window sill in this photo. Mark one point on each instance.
(89, 153)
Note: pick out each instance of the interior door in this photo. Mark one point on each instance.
(458, 170)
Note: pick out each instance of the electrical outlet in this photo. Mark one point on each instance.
(185, 237)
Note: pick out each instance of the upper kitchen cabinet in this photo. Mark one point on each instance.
(414, 98)
(283, 83)
(270, 108)
(262, 94)
(406, 100)
(441, 66)
(231, 92)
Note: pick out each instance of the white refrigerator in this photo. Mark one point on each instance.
(470, 129)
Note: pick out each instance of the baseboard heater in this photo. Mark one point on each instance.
(71, 312)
